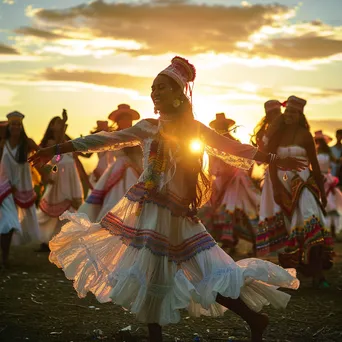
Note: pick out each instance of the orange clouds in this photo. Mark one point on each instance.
(7, 50)
(98, 78)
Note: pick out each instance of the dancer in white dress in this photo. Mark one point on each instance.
(150, 254)
(272, 233)
(235, 199)
(333, 193)
(120, 175)
(16, 185)
(64, 190)
(301, 196)
(105, 159)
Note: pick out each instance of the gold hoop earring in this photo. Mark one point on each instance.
(176, 103)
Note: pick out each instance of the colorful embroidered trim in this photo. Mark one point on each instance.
(25, 199)
(54, 209)
(311, 234)
(272, 235)
(157, 243)
(242, 227)
(97, 196)
(178, 206)
(5, 190)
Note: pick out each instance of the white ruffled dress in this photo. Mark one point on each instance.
(105, 159)
(150, 255)
(111, 187)
(333, 193)
(236, 203)
(64, 193)
(17, 209)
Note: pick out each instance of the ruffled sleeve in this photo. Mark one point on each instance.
(232, 152)
(109, 141)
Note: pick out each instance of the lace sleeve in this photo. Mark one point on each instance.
(109, 141)
(232, 152)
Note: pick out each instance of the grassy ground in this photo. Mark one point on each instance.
(38, 304)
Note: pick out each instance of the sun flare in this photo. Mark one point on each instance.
(196, 146)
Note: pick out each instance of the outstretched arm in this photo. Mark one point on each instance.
(242, 155)
(103, 141)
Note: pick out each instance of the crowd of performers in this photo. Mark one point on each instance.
(148, 232)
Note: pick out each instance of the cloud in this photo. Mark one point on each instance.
(249, 31)
(114, 80)
(8, 2)
(7, 50)
(301, 48)
(226, 92)
(166, 26)
(35, 32)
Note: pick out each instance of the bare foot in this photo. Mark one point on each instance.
(259, 325)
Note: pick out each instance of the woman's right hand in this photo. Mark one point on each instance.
(291, 164)
(43, 156)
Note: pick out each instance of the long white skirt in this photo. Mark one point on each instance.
(155, 263)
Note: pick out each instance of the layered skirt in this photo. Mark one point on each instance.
(152, 262)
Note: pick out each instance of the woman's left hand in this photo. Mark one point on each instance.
(291, 164)
(64, 116)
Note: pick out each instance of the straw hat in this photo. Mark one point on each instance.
(221, 122)
(124, 109)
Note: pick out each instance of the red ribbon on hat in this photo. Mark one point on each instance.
(283, 104)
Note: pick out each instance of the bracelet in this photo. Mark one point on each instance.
(57, 152)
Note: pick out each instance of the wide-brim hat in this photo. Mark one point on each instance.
(320, 135)
(124, 109)
(220, 121)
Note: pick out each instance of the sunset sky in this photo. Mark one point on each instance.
(90, 56)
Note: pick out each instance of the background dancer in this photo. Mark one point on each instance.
(301, 196)
(336, 151)
(150, 254)
(272, 233)
(15, 173)
(120, 175)
(105, 159)
(64, 188)
(235, 197)
(332, 192)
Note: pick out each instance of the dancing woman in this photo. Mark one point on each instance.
(301, 196)
(272, 233)
(332, 192)
(17, 196)
(120, 175)
(235, 198)
(150, 254)
(64, 188)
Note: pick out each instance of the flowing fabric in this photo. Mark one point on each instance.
(151, 256)
(64, 193)
(18, 175)
(112, 186)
